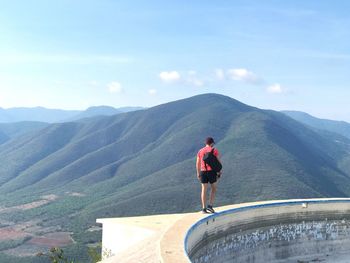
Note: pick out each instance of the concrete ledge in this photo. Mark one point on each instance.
(281, 231)
(178, 237)
(134, 239)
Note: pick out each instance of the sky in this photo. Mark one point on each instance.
(271, 54)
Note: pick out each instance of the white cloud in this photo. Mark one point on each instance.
(152, 91)
(275, 89)
(193, 79)
(195, 82)
(242, 74)
(220, 74)
(170, 76)
(115, 87)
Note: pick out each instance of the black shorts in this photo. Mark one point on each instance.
(208, 177)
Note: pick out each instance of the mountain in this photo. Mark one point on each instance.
(340, 127)
(107, 153)
(95, 111)
(13, 130)
(3, 137)
(143, 162)
(4, 116)
(40, 114)
(128, 109)
(102, 111)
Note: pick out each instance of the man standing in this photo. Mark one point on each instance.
(206, 175)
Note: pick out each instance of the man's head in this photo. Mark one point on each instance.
(209, 141)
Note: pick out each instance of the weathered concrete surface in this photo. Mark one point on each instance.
(134, 239)
(163, 240)
(338, 258)
(164, 245)
(279, 243)
(273, 233)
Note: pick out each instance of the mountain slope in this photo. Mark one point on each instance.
(128, 109)
(95, 111)
(3, 137)
(143, 162)
(4, 116)
(16, 129)
(262, 160)
(41, 114)
(109, 152)
(341, 127)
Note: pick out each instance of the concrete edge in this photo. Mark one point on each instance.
(246, 207)
(171, 243)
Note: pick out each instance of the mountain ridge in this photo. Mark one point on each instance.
(42, 114)
(143, 162)
(340, 127)
(110, 146)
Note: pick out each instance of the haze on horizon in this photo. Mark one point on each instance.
(269, 54)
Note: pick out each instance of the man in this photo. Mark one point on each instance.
(206, 175)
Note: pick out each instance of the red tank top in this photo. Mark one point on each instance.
(201, 153)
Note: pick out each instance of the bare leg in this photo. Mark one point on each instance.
(213, 188)
(204, 195)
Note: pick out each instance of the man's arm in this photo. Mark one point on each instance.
(198, 167)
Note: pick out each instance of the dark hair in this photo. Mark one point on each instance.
(209, 141)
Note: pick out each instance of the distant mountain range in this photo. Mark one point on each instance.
(142, 162)
(340, 127)
(18, 121)
(40, 114)
(16, 129)
(108, 153)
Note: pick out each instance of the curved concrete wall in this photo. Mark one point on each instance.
(293, 231)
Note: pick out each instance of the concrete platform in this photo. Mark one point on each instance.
(160, 238)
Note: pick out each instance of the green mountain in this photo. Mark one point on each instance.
(128, 109)
(341, 127)
(41, 114)
(143, 162)
(4, 116)
(38, 114)
(95, 111)
(16, 129)
(3, 137)
(108, 153)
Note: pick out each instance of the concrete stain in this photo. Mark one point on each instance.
(276, 242)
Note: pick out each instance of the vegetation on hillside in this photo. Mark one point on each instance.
(142, 163)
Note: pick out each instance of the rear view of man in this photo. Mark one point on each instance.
(206, 174)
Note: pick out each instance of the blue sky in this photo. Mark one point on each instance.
(278, 55)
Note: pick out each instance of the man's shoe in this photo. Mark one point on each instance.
(210, 209)
(205, 211)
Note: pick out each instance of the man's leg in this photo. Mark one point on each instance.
(204, 195)
(212, 193)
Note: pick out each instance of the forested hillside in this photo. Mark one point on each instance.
(142, 162)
